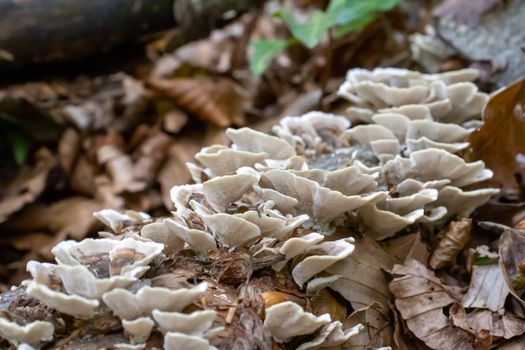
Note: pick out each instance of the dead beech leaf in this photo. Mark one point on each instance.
(173, 172)
(217, 101)
(512, 255)
(487, 289)
(378, 331)
(273, 298)
(421, 297)
(452, 241)
(325, 302)
(500, 142)
(487, 326)
(464, 12)
(362, 280)
(150, 155)
(28, 185)
(407, 247)
(517, 343)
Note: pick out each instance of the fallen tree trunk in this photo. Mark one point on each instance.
(35, 31)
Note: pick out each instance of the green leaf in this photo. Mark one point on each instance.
(19, 142)
(310, 31)
(262, 53)
(484, 261)
(355, 15)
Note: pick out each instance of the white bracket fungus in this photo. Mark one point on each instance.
(33, 333)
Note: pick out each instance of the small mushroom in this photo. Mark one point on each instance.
(139, 329)
(176, 341)
(287, 320)
(195, 323)
(332, 335)
(33, 333)
(73, 305)
(221, 191)
(129, 306)
(249, 140)
(321, 257)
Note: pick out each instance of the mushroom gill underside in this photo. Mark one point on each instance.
(267, 229)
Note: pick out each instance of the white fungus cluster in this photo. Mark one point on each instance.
(282, 195)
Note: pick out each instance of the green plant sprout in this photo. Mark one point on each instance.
(341, 16)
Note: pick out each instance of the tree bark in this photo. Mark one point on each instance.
(43, 31)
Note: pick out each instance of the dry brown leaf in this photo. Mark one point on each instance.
(83, 175)
(217, 101)
(378, 331)
(465, 12)
(513, 344)
(118, 165)
(68, 148)
(452, 241)
(174, 171)
(487, 326)
(480, 252)
(325, 302)
(500, 142)
(28, 185)
(407, 247)
(362, 280)
(512, 255)
(149, 156)
(421, 297)
(174, 121)
(487, 289)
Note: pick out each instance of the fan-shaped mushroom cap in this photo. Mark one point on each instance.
(225, 161)
(462, 203)
(287, 320)
(160, 232)
(79, 280)
(283, 203)
(139, 329)
(331, 335)
(319, 202)
(435, 164)
(272, 223)
(384, 223)
(129, 306)
(32, 333)
(127, 257)
(221, 191)
(195, 323)
(230, 230)
(198, 240)
(249, 140)
(176, 341)
(115, 220)
(300, 245)
(73, 305)
(325, 255)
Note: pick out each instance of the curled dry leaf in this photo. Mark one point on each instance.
(500, 142)
(27, 186)
(325, 302)
(378, 329)
(421, 297)
(487, 327)
(512, 255)
(217, 101)
(407, 247)
(452, 241)
(362, 281)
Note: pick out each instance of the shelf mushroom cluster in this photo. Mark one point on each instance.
(281, 195)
